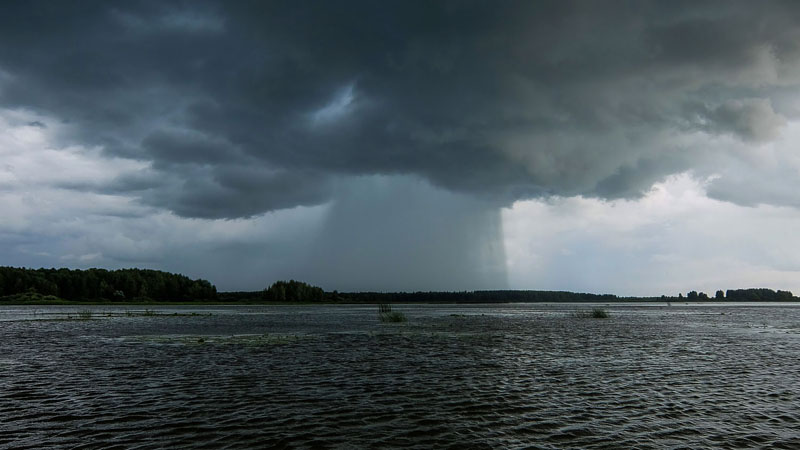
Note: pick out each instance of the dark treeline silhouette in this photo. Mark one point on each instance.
(19, 284)
(101, 284)
(293, 291)
(472, 297)
(742, 295)
(296, 291)
(758, 295)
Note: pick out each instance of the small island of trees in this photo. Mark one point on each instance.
(293, 291)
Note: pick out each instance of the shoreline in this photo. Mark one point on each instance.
(266, 303)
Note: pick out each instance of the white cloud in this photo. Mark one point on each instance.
(31, 159)
(672, 240)
(44, 224)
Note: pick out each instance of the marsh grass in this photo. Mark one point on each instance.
(596, 313)
(142, 313)
(386, 315)
(154, 313)
(89, 314)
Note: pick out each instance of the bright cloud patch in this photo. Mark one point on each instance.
(48, 221)
(674, 239)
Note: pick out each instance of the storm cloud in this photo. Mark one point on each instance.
(213, 110)
(248, 107)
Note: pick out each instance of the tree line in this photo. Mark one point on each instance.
(102, 284)
(498, 296)
(146, 285)
(297, 291)
(293, 291)
(743, 295)
(765, 295)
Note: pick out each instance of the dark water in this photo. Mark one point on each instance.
(517, 376)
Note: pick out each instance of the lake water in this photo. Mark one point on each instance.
(484, 376)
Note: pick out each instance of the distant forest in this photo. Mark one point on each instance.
(101, 284)
(142, 285)
(296, 291)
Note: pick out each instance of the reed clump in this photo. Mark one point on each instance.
(386, 315)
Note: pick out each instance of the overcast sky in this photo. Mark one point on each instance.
(637, 148)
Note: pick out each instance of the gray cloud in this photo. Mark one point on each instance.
(772, 186)
(751, 119)
(181, 147)
(236, 191)
(242, 108)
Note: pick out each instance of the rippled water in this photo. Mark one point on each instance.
(513, 376)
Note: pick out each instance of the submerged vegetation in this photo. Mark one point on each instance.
(596, 313)
(245, 340)
(88, 314)
(153, 313)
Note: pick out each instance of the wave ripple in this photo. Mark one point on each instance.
(528, 376)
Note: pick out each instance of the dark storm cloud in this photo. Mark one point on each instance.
(185, 148)
(246, 107)
(630, 180)
(231, 191)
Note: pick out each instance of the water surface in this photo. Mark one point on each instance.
(478, 376)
